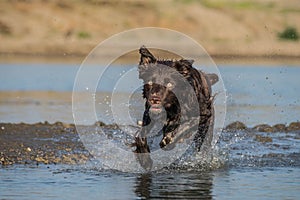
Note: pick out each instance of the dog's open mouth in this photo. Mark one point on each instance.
(156, 105)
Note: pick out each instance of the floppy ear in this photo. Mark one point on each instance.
(189, 61)
(212, 78)
(186, 62)
(146, 56)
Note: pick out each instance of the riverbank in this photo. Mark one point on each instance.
(218, 59)
(226, 29)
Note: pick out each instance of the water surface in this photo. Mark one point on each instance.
(256, 94)
(241, 167)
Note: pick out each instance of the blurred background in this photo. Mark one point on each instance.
(255, 44)
(228, 29)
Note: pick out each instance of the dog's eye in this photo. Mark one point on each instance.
(150, 83)
(169, 85)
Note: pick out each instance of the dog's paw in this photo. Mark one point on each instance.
(166, 143)
(166, 140)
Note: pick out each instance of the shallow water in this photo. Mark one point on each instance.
(61, 182)
(241, 165)
(242, 168)
(253, 92)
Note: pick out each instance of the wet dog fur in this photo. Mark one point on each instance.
(162, 108)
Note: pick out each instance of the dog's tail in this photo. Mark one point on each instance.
(146, 56)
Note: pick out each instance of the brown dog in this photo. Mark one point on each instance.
(164, 112)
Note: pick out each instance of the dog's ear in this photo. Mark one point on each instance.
(146, 56)
(212, 78)
(186, 62)
(190, 61)
(183, 66)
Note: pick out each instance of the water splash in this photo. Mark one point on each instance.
(110, 146)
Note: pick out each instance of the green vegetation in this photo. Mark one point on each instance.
(83, 35)
(290, 10)
(218, 4)
(289, 33)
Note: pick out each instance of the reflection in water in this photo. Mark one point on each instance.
(143, 186)
(175, 186)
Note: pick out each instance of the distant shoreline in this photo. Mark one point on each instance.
(230, 32)
(17, 57)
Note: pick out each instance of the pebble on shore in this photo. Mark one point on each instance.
(235, 126)
(294, 126)
(263, 128)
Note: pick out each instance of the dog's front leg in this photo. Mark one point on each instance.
(141, 145)
(142, 153)
(167, 142)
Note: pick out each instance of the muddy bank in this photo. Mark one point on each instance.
(41, 143)
(59, 143)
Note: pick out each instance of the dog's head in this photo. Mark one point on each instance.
(160, 78)
(158, 85)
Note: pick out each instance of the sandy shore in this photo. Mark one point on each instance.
(228, 30)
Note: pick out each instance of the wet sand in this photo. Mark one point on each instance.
(59, 143)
